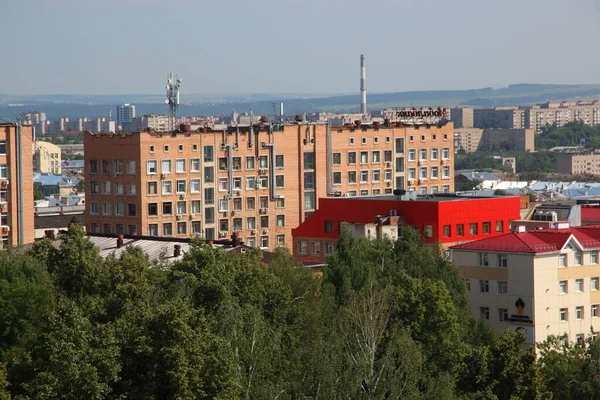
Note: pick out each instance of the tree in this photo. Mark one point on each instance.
(80, 187)
(37, 193)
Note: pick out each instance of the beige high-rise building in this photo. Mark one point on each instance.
(47, 158)
(562, 113)
(257, 181)
(462, 117)
(16, 186)
(474, 139)
(578, 163)
(543, 282)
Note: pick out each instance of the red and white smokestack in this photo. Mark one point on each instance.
(363, 85)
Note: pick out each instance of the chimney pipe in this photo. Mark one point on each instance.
(177, 250)
(363, 85)
(119, 241)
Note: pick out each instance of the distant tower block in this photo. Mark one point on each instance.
(363, 85)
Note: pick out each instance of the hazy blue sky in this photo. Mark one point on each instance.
(237, 46)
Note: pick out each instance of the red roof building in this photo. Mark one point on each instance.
(447, 219)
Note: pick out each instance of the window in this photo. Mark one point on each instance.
(502, 287)
(209, 153)
(460, 229)
(181, 207)
(279, 181)
(195, 207)
(105, 167)
(279, 161)
(166, 148)
(167, 187)
(181, 186)
(486, 227)
(264, 222)
(502, 314)
(195, 165)
(446, 230)
(251, 223)
(168, 229)
(579, 285)
(594, 257)
(329, 246)
(578, 258)
(237, 224)
(93, 164)
(119, 209)
(376, 175)
(579, 312)
(130, 167)
(152, 188)
(563, 287)
(180, 165)
(153, 229)
(351, 176)
(309, 201)
(484, 312)
(223, 164)
(151, 149)
(209, 174)
(562, 260)
(309, 160)
(423, 173)
(337, 159)
(195, 185)
(315, 247)
(250, 182)
(434, 173)
(400, 145)
(594, 283)
(223, 205)
(3, 171)
(309, 180)
(387, 156)
(329, 226)
(119, 188)
(337, 178)
(412, 155)
(209, 195)
(352, 158)
(422, 154)
(579, 338)
(484, 286)
(196, 227)
(152, 167)
(153, 209)
(364, 157)
(563, 314)
(473, 228)
(264, 242)
(445, 153)
(194, 147)
(182, 228)
(105, 187)
(167, 208)
(412, 174)
(280, 221)
(118, 167)
(250, 162)
(434, 154)
(250, 203)
(94, 208)
(280, 203)
(446, 172)
(376, 157)
(131, 209)
(364, 140)
(302, 246)
(131, 188)
(428, 231)
(364, 176)
(387, 175)
(484, 260)
(595, 308)
(499, 226)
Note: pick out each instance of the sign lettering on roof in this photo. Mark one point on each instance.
(413, 116)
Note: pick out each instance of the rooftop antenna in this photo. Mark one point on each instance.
(173, 84)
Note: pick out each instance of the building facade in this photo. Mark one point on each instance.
(125, 115)
(578, 164)
(260, 181)
(542, 282)
(443, 219)
(47, 158)
(470, 140)
(16, 186)
(462, 117)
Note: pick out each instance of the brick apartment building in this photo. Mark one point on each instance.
(446, 219)
(259, 181)
(16, 187)
(473, 139)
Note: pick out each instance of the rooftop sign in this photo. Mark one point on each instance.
(413, 116)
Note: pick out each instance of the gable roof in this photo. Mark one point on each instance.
(538, 241)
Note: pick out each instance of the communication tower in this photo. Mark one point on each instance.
(173, 84)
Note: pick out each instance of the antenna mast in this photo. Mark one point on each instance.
(173, 84)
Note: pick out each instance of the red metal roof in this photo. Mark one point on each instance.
(540, 241)
(590, 214)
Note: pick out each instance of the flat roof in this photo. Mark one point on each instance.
(432, 198)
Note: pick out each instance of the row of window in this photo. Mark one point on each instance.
(486, 229)
(302, 247)
(563, 313)
(116, 167)
(484, 286)
(501, 260)
(484, 313)
(263, 162)
(237, 224)
(434, 173)
(363, 157)
(563, 286)
(400, 141)
(433, 155)
(180, 148)
(578, 258)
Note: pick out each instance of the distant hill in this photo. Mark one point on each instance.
(93, 106)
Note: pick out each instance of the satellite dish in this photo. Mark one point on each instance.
(178, 80)
(166, 101)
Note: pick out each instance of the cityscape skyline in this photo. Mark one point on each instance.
(269, 48)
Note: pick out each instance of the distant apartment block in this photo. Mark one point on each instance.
(16, 186)
(473, 139)
(37, 120)
(47, 158)
(125, 115)
(499, 117)
(578, 164)
(462, 117)
(258, 181)
(158, 123)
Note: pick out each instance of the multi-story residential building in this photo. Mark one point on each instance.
(562, 113)
(37, 120)
(47, 158)
(159, 123)
(578, 163)
(446, 219)
(542, 282)
(125, 116)
(474, 139)
(462, 117)
(499, 117)
(16, 186)
(258, 180)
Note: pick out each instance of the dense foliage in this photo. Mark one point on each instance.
(571, 134)
(387, 320)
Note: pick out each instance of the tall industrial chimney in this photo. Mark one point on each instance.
(363, 85)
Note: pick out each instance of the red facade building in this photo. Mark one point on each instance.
(446, 219)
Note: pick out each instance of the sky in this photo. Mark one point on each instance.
(282, 46)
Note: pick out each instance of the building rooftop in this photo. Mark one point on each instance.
(53, 180)
(72, 163)
(430, 198)
(540, 241)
